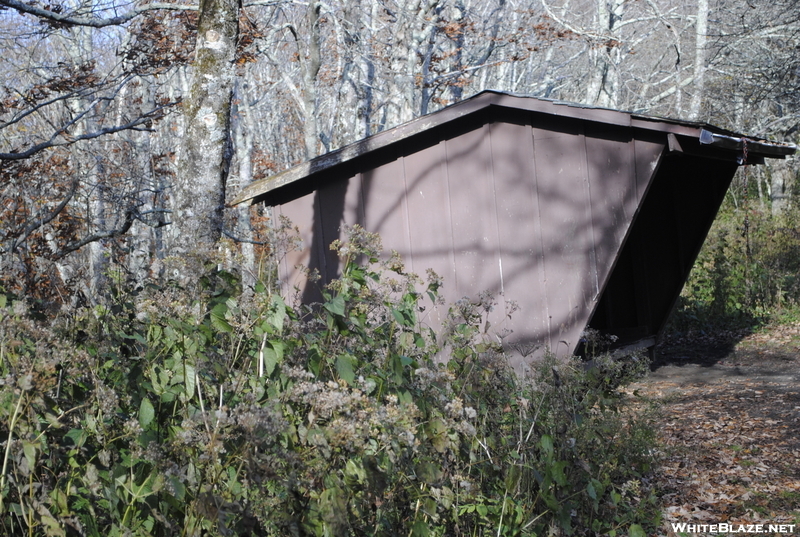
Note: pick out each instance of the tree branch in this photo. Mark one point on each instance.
(236, 238)
(126, 225)
(41, 220)
(54, 142)
(34, 107)
(92, 22)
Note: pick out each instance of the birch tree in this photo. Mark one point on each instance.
(198, 197)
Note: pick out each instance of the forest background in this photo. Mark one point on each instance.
(143, 392)
(113, 153)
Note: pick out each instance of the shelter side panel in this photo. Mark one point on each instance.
(648, 157)
(385, 209)
(301, 212)
(567, 237)
(675, 217)
(625, 309)
(340, 206)
(521, 261)
(474, 215)
(429, 222)
(612, 189)
(319, 217)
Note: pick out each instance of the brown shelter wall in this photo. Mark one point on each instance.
(534, 209)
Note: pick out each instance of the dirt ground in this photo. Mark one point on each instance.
(730, 428)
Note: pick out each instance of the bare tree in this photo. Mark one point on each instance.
(94, 149)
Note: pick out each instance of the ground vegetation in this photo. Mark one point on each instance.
(205, 411)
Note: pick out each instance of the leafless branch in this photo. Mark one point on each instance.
(100, 235)
(67, 140)
(93, 22)
(42, 219)
(270, 3)
(38, 106)
(240, 239)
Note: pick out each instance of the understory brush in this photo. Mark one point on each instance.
(747, 273)
(203, 410)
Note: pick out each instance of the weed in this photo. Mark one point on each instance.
(197, 409)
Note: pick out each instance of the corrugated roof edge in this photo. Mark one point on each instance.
(488, 98)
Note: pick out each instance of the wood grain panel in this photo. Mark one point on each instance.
(429, 221)
(567, 241)
(473, 213)
(519, 231)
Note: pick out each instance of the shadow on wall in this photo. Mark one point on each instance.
(532, 214)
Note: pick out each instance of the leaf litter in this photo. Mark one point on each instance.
(729, 432)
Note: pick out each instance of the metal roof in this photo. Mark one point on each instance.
(495, 102)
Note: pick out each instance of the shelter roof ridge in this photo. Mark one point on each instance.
(706, 134)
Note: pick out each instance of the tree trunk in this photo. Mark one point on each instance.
(782, 174)
(198, 198)
(701, 36)
(603, 86)
(310, 71)
(243, 133)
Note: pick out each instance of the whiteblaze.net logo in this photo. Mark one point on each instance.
(682, 527)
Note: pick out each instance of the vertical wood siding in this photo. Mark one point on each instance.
(532, 210)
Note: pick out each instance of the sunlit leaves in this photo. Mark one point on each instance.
(146, 412)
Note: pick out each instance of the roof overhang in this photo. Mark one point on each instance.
(683, 136)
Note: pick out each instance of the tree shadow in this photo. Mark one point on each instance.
(705, 346)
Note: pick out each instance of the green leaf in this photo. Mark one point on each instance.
(598, 487)
(591, 492)
(428, 472)
(558, 473)
(636, 531)
(279, 315)
(273, 355)
(314, 359)
(547, 444)
(52, 526)
(30, 454)
(59, 499)
(333, 506)
(218, 318)
(190, 379)
(78, 436)
(354, 473)
(178, 488)
(420, 529)
(336, 305)
(405, 340)
(344, 367)
(146, 412)
(398, 316)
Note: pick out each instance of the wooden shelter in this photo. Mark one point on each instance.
(585, 217)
